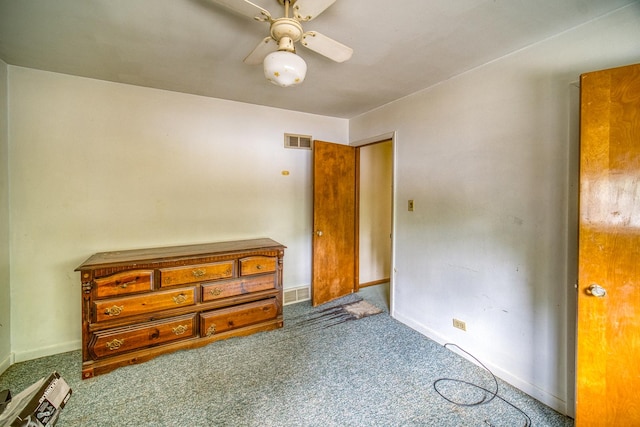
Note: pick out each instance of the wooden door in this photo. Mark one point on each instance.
(608, 351)
(334, 221)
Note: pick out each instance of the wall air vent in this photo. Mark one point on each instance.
(296, 295)
(292, 140)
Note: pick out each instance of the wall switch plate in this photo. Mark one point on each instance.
(410, 207)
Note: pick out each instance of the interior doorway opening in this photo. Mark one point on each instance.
(374, 217)
(343, 228)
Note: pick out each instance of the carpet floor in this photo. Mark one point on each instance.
(327, 367)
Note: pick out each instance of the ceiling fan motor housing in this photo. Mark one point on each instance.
(282, 66)
(286, 31)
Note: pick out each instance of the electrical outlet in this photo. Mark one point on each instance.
(459, 324)
(410, 207)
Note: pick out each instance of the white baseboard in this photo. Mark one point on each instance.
(548, 399)
(23, 356)
(6, 362)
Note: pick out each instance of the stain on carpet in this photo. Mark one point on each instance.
(340, 313)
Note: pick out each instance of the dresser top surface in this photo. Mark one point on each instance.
(176, 252)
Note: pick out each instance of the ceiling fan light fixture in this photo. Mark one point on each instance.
(284, 68)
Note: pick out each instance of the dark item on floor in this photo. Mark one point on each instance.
(5, 398)
(39, 405)
(337, 314)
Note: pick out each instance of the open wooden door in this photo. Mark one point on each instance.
(608, 350)
(334, 221)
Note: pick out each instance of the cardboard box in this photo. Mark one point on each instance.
(39, 405)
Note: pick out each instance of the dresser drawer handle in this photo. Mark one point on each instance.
(211, 330)
(215, 291)
(115, 344)
(199, 272)
(258, 267)
(125, 284)
(179, 299)
(114, 311)
(180, 329)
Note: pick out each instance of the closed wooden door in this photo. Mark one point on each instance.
(334, 221)
(608, 351)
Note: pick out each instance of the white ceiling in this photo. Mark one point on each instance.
(197, 47)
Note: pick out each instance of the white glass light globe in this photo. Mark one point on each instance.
(284, 68)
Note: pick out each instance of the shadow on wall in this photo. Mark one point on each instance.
(494, 223)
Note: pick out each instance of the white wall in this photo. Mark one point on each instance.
(98, 166)
(487, 158)
(5, 289)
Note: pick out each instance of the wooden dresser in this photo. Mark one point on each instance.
(138, 304)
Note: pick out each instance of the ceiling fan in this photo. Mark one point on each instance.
(277, 51)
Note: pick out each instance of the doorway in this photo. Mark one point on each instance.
(374, 217)
(336, 212)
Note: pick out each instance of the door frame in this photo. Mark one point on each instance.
(357, 145)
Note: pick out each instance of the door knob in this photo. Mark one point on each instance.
(597, 291)
(319, 233)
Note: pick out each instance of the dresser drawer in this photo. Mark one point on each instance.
(121, 340)
(216, 321)
(257, 265)
(196, 273)
(145, 303)
(219, 290)
(126, 282)
(138, 304)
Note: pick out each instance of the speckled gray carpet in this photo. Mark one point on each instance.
(319, 370)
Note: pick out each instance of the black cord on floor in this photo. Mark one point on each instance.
(486, 399)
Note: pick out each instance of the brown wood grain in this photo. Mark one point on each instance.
(257, 265)
(608, 361)
(172, 253)
(117, 341)
(334, 221)
(125, 283)
(128, 318)
(143, 303)
(219, 290)
(239, 316)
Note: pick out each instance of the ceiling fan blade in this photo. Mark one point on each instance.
(326, 46)
(246, 8)
(306, 10)
(258, 54)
